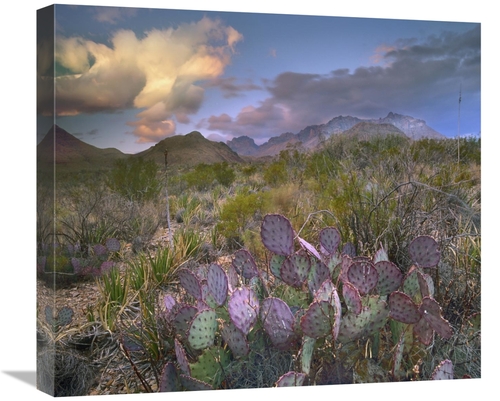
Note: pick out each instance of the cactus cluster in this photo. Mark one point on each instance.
(348, 298)
(74, 261)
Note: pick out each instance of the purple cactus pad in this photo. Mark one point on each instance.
(389, 277)
(329, 238)
(244, 264)
(243, 308)
(424, 251)
(217, 283)
(277, 234)
(363, 275)
(190, 283)
(403, 309)
(278, 322)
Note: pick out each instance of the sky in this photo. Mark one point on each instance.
(129, 77)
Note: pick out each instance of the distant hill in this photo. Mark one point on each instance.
(190, 150)
(312, 136)
(72, 154)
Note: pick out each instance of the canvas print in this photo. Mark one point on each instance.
(231, 200)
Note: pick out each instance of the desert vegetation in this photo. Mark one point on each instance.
(359, 262)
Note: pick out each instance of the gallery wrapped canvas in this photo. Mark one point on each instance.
(231, 200)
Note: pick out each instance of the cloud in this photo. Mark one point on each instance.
(159, 73)
(230, 87)
(412, 76)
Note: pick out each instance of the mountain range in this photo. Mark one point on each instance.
(72, 154)
(312, 136)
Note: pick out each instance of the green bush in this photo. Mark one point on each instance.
(135, 179)
(238, 214)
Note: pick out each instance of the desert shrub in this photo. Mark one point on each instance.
(135, 179)
(205, 176)
(239, 214)
(275, 174)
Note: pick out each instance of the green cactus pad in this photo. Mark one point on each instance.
(278, 322)
(424, 251)
(201, 332)
(295, 269)
(389, 277)
(192, 384)
(168, 379)
(190, 283)
(318, 321)
(372, 318)
(210, 366)
(182, 319)
(411, 285)
(329, 238)
(443, 371)
(182, 360)
(244, 264)
(352, 298)
(363, 275)
(306, 353)
(276, 263)
(235, 339)
(431, 312)
(243, 307)
(277, 234)
(328, 292)
(291, 379)
(217, 283)
(403, 309)
(318, 273)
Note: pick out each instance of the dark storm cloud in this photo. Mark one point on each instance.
(417, 78)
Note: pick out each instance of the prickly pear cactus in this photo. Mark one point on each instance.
(201, 332)
(389, 277)
(329, 239)
(277, 234)
(190, 283)
(295, 269)
(291, 379)
(217, 283)
(403, 309)
(182, 360)
(244, 264)
(431, 313)
(444, 371)
(278, 321)
(235, 339)
(363, 275)
(424, 251)
(243, 307)
(168, 379)
(373, 316)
